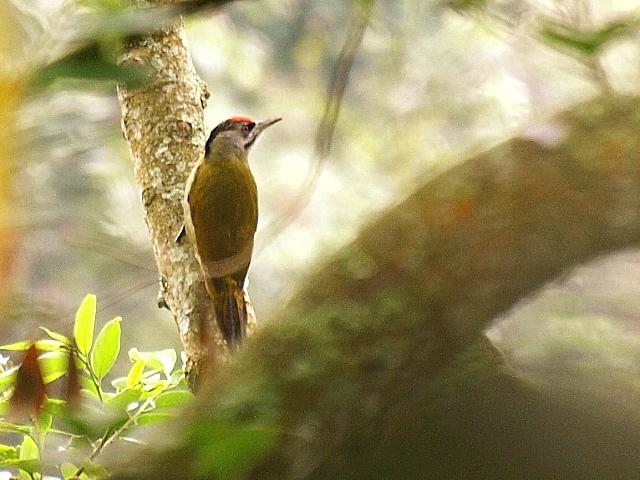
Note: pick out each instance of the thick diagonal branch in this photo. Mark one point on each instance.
(357, 373)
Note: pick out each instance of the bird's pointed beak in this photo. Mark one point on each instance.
(262, 126)
(258, 129)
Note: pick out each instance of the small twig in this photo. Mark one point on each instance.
(39, 439)
(55, 431)
(108, 300)
(116, 253)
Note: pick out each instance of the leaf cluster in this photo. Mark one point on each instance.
(58, 396)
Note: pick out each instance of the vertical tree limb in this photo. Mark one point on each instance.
(163, 123)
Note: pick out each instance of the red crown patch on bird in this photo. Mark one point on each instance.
(240, 118)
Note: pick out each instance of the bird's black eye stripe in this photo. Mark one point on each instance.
(247, 127)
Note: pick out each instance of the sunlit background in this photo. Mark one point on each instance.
(432, 83)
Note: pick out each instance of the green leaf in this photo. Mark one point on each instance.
(7, 427)
(8, 452)
(153, 389)
(111, 6)
(83, 326)
(119, 383)
(163, 360)
(29, 449)
(55, 407)
(30, 465)
(95, 62)
(45, 419)
(95, 470)
(49, 345)
(155, 417)
(120, 401)
(464, 5)
(16, 346)
(177, 377)
(53, 365)
(8, 378)
(133, 378)
(46, 344)
(56, 336)
(68, 470)
(89, 426)
(107, 347)
(176, 398)
(88, 386)
(587, 42)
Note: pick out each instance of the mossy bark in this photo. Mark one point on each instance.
(368, 372)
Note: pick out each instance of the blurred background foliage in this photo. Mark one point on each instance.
(432, 83)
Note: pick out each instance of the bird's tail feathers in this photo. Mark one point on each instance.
(235, 319)
(231, 315)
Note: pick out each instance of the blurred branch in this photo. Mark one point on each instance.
(108, 299)
(113, 248)
(364, 356)
(338, 82)
(340, 77)
(121, 292)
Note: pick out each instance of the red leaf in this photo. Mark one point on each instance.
(72, 386)
(29, 391)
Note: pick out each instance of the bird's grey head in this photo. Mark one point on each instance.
(237, 133)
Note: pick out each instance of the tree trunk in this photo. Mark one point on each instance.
(163, 123)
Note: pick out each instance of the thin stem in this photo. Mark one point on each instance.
(94, 377)
(107, 439)
(55, 431)
(39, 439)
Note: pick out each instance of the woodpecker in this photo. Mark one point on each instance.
(221, 217)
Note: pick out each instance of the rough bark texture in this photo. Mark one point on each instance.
(163, 123)
(359, 376)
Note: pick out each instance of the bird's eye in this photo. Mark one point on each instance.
(247, 127)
